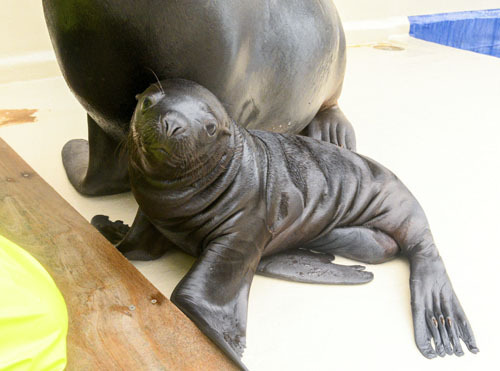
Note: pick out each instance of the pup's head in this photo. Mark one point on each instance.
(177, 124)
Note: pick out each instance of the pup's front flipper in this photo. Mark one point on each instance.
(214, 293)
(142, 241)
(437, 313)
(114, 232)
(301, 265)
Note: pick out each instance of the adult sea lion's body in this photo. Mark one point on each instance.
(243, 201)
(276, 65)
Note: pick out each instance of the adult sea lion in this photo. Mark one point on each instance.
(245, 201)
(275, 65)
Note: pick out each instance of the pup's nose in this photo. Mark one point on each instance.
(173, 126)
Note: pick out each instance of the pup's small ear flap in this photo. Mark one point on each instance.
(225, 130)
(137, 97)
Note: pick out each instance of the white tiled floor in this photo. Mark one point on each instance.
(429, 113)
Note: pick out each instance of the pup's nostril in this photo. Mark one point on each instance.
(172, 128)
(176, 130)
(165, 125)
(172, 125)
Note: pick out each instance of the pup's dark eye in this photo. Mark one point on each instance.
(146, 103)
(211, 128)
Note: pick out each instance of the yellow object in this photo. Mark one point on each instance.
(33, 315)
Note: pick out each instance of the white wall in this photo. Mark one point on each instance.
(371, 9)
(370, 21)
(22, 28)
(22, 25)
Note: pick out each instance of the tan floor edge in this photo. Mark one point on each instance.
(117, 319)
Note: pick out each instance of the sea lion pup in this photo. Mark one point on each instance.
(236, 198)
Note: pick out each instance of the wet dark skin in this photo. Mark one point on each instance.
(275, 65)
(252, 201)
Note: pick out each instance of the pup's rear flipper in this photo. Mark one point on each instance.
(302, 265)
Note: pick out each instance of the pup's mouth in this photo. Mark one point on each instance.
(163, 151)
(174, 152)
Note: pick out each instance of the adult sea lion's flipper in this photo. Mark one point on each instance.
(331, 125)
(96, 167)
(306, 266)
(214, 293)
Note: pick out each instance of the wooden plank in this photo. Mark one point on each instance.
(117, 319)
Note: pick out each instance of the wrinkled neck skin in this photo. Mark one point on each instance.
(150, 177)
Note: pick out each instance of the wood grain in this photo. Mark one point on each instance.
(117, 319)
